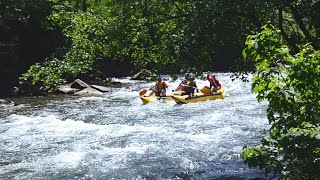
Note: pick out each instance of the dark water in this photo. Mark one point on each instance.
(114, 136)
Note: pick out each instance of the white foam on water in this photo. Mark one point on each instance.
(114, 134)
(64, 160)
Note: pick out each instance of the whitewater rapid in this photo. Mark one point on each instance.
(114, 136)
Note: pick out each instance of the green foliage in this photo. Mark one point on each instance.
(149, 35)
(291, 85)
(23, 12)
(86, 33)
(45, 76)
(166, 36)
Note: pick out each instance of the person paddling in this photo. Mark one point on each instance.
(160, 87)
(182, 85)
(191, 86)
(214, 82)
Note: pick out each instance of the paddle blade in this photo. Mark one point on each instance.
(143, 92)
(205, 90)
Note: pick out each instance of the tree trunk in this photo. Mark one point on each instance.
(284, 34)
(298, 17)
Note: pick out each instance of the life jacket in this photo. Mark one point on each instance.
(191, 83)
(213, 82)
(161, 85)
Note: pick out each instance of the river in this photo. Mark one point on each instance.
(114, 136)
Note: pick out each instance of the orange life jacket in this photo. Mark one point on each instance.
(214, 82)
(161, 85)
(191, 83)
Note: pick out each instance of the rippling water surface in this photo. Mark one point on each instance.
(114, 136)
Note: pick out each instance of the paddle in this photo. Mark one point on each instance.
(206, 90)
(143, 92)
(179, 93)
(194, 88)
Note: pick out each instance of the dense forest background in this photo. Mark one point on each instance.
(44, 43)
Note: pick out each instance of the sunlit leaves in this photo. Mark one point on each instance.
(291, 86)
(86, 32)
(148, 36)
(183, 34)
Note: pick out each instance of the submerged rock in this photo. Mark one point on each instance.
(141, 75)
(2, 101)
(111, 83)
(88, 91)
(78, 87)
(66, 89)
(100, 88)
(79, 84)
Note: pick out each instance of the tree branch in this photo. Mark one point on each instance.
(284, 34)
(298, 17)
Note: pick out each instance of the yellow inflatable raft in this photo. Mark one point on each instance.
(147, 99)
(203, 96)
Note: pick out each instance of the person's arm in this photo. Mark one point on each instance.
(153, 87)
(165, 85)
(195, 86)
(210, 84)
(218, 84)
(163, 90)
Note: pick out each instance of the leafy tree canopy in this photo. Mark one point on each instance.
(291, 85)
(164, 36)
